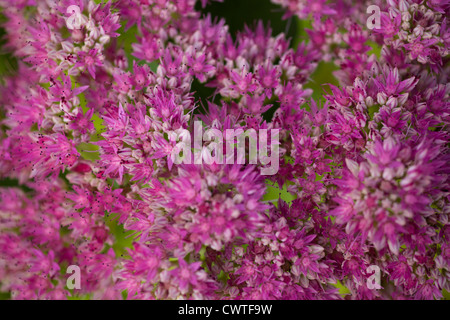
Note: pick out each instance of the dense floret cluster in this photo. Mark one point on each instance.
(90, 119)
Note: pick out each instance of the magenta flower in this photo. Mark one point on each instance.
(147, 49)
(45, 263)
(419, 49)
(199, 68)
(89, 60)
(390, 83)
(244, 82)
(185, 274)
(268, 79)
(81, 123)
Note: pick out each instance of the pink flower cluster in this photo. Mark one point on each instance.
(85, 138)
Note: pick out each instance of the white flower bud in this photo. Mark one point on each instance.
(403, 5)
(381, 98)
(418, 31)
(406, 16)
(392, 102)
